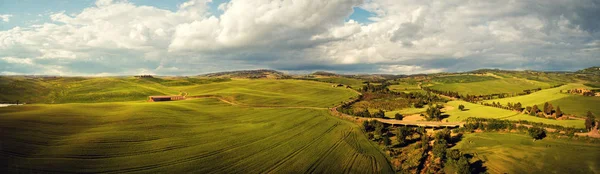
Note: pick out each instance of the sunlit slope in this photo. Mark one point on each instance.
(481, 111)
(79, 90)
(193, 136)
(275, 92)
(569, 103)
(516, 153)
(504, 85)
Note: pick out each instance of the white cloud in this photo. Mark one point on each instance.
(407, 69)
(407, 36)
(5, 17)
(15, 60)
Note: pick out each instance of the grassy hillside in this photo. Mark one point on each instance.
(354, 83)
(569, 103)
(505, 85)
(405, 87)
(193, 136)
(516, 153)
(462, 78)
(481, 111)
(275, 92)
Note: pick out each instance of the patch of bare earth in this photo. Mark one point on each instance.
(447, 108)
(413, 117)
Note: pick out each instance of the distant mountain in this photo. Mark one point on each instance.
(324, 73)
(250, 74)
(590, 70)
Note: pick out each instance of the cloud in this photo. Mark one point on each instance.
(5, 17)
(403, 37)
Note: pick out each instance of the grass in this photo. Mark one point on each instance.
(481, 111)
(406, 111)
(569, 103)
(354, 83)
(462, 79)
(505, 85)
(275, 92)
(516, 153)
(405, 87)
(192, 136)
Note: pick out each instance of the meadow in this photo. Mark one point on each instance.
(405, 87)
(354, 83)
(275, 92)
(481, 111)
(517, 153)
(486, 87)
(191, 136)
(569, 103)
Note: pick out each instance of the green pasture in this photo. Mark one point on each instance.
(275, 92)
(518, 153)
(505, 85)
(481, 111)
(462, 78)
(192, 136)
(406, 111)
(354, 83)
(569, 103)
(405, 87)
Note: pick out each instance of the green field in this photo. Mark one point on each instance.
(481, 111)
(505, 85)
(275, 92)
(406, 111)
(192, 136)
(354, 83)
(569, 103)
(462, 78)
(405, 87)
(516, 153)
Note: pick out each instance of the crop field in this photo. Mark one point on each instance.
(275, 92)
(481, 111)
(569, 103)
(505, 85)
(198, 136)
(517, 153)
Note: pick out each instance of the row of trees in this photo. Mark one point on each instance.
(547, 110)
(487, 124)
(476, 98)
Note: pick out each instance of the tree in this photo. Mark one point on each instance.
(439, 148)
(534, 110)
(558, 112)
(590, 121)
(537, 133)
(386, 140)
(550, 109)
(463, 166)
(434, 113)
(461, 107)
(398, 116)
(546, 108)
(401, 134)
(379, 114)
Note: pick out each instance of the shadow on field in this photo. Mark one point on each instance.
(477, 167)
(455, 139)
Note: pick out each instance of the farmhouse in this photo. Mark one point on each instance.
(165, 98)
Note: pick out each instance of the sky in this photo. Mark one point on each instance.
(190, 37)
